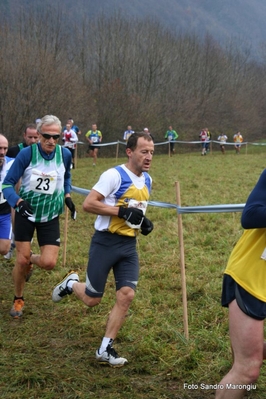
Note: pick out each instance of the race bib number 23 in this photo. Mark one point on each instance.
(43, 183)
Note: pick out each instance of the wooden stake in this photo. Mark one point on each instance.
(76, 156)
(117, 150)
(182, 263)
(65, 236)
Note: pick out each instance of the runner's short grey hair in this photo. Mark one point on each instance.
(49, 120)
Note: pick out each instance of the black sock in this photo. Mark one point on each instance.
(18, 297)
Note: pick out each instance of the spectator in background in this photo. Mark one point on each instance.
(222, 138)
(128, 133)
(171, 136)
(5, 209)
(94, 137)
(30, 136)
(146, 130)
(70, 139)
(204, 141)
(207, 144)
(72, 126)
(238, 139)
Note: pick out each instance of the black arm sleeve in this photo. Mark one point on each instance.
(254, 213)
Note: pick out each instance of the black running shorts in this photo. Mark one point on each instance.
(111, 251)
(48, 233)
(250, 305)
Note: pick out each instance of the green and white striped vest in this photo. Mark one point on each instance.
(42, 185)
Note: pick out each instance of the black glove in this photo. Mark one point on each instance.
(146, 226)
(25, 209)
(132, 215)
(69, 203)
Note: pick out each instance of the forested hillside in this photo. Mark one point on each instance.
(117, 70)
(224, 20)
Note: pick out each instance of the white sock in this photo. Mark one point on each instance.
(70, 284)
(13, 245)
(104, 344)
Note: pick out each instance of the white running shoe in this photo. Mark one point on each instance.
(110, 357)
(10, 252)
(61, 289)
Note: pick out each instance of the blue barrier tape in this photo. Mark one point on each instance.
(183, 209)
(176, 141)
(211, 208)
(99, 144)
(78, 190)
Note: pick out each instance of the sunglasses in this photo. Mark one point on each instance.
(49, 136)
